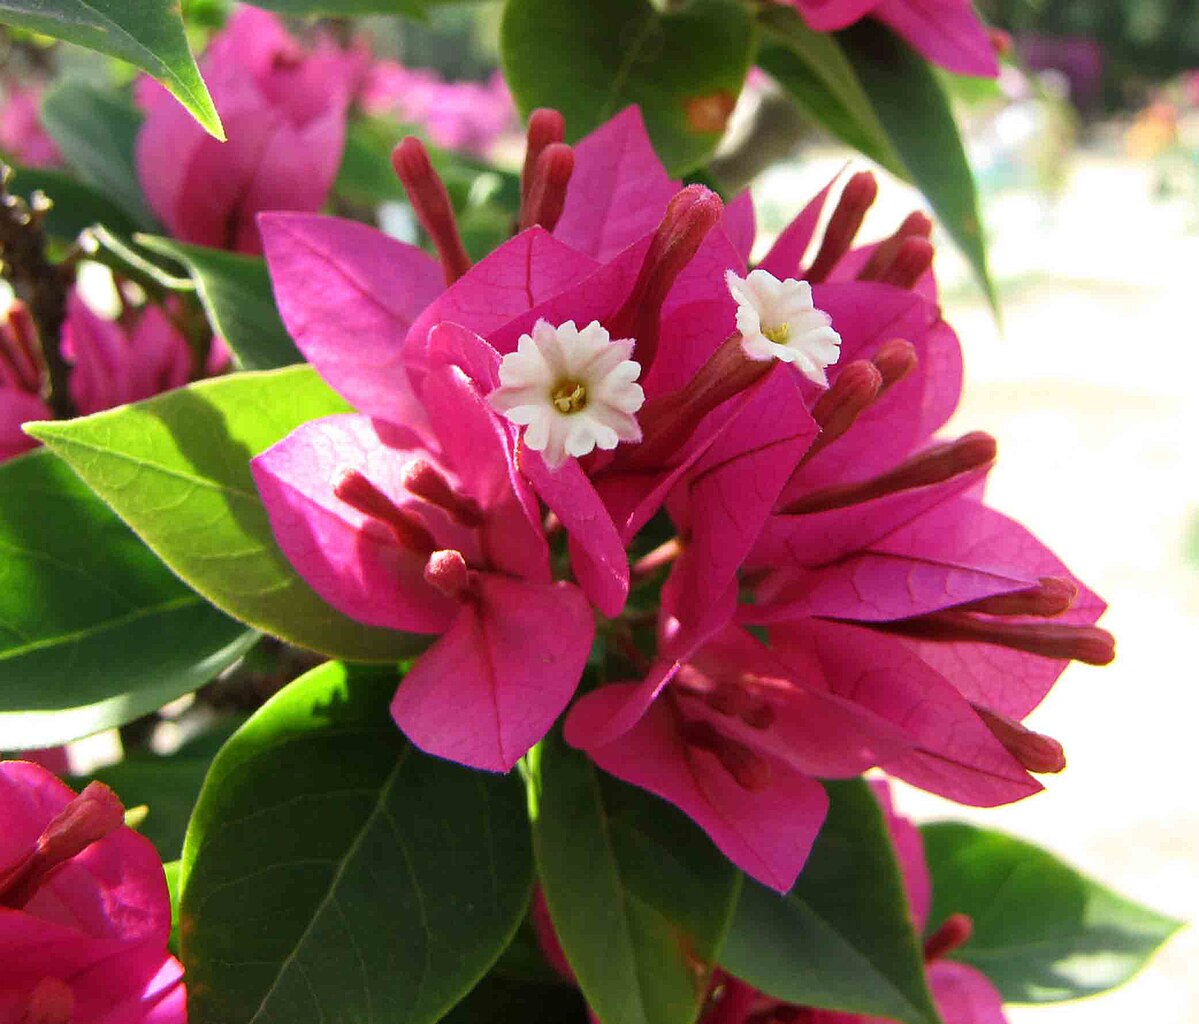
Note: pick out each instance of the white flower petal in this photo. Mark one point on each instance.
(777, 320)
(551, 362)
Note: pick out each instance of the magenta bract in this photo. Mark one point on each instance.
(901, 624)
(284, 111)
(947, 32)
(84, 910)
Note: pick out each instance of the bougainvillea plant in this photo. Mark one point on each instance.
(518, 619)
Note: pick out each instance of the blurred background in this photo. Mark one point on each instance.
(1087, 155)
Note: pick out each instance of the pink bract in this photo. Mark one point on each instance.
(284, 111)
(85, 936)
(947, 32)
(901, 623)
(22, 136)
(111, 364)
(437, 533)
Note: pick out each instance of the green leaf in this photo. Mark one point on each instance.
(843, 938)
(96, 132)
(168, 786)
(813, 68)
(1043, 933)
(235, 291)
(635, 890)
(147, 33)
(334, 873)
(915, 112)
(76, 206)
(171, 869)
(176, 468)
(592, 58)
(94, 630)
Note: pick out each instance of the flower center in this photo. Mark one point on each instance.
(569, 397)
(780, 335)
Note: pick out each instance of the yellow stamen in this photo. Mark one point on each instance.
(569, 397)
(780, 335)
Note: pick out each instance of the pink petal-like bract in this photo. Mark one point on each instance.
(284, 111)
(87, 931)
(946, 32)
(619, 190)
(495, 682)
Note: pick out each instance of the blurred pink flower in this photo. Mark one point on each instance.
(465, 116)
(284, 110)
(947, 32)
(22, 136)
(84, 910)
(110, 365)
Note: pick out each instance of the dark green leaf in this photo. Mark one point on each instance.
(94, 630)
(76, 205)
(147, 33)
(333, 872)
(592, 58)
(236, 293)
(636, 891)
(843, 938)
(176, 468)
(1043, 933)
(813, 68)
(915, 112)
(96, 132)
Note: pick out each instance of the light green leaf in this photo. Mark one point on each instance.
(1043, 933)
(636, 891)
(176, 468)
(94, 630)
(235, 291)
(843, 938)
(592, 58)
(332, 872)
(147, 33)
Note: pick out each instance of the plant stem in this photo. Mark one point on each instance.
(42, 285)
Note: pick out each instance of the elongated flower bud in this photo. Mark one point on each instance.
(360, 494)
(431, 202)
(855, 202)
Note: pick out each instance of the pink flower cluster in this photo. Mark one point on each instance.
(84, 910)
(947, 32)
(962, 994)
(111, 365)
(284, 110)
(837, 596)
(22, 136)
(466, 116)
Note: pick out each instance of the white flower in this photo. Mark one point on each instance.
(572, 391)
(778, 320)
